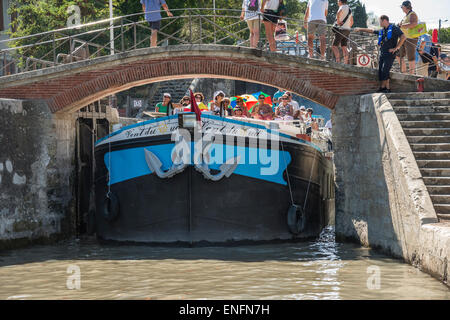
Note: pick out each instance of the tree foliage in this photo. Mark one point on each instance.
(35, 16)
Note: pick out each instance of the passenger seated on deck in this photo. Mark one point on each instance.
(199, 98)
(300, 114)
(238, 112)
(314, 125)
(227, 110)
(162, 106)
(217, 102)
(185, 105)
(261, 110)
(240, 104)
(308, 115)
(277, 97)
(284, 111)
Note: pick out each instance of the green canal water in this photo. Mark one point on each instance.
(321, 269)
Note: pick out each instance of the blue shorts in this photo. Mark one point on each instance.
(155, 25)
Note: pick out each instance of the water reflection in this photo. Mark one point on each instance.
(322, 269)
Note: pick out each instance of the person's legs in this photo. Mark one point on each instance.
(154, 38)
(344, 42)
(322, 31)
(253, 25)
(270, 30)
(402, 64)
(335, 48)
(311, 45)
(401, 58)
(380, 73)
(336, 53)
(257, 30)
(412, 67)
(252, 33)
(312, 27)
(345, 54)
(154, 26)
(432, 73)
(411, 45)
(385, 69)
(323, 46)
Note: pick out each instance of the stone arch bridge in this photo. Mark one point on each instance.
(69, 87)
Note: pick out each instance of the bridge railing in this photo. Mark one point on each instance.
(187, 26)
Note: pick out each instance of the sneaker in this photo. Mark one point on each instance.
(380, 90)
(387, 90)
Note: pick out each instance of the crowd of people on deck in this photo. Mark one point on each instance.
(281, 107)
(396, 41)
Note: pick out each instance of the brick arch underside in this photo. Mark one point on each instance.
(71, 92)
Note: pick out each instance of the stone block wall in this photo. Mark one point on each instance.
(381, 199)
(36, 173)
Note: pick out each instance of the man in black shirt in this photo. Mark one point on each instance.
(390, 40)
(430, 58)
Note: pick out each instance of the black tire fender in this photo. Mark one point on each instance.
(111, 207)
(296, 219)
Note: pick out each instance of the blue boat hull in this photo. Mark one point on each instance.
(188, 208)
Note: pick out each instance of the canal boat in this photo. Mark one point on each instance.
(175, 179)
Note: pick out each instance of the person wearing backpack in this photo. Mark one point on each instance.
(251, 12)
(390, 40)
(344, 22)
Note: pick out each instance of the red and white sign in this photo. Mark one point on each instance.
(364, 60)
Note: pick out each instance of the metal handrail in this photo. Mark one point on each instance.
(54, 42)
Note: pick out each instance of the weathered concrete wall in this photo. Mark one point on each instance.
(36, 173)
(209, 86)
(381, 199)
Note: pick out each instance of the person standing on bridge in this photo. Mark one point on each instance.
(315, 21)
(430, 59)
(388, 40)
(153, 16)
(251, 12)
(344, 23)
(408, 49)
(270, 21)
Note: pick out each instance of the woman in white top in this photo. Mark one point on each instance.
(270, 18)
(344, 21)
(251, 12)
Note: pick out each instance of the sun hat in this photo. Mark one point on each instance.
(218, 93)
